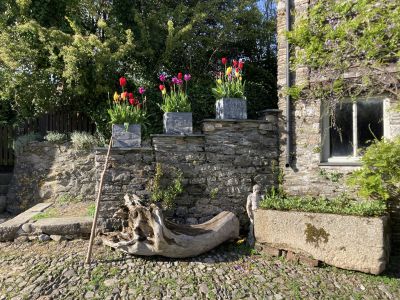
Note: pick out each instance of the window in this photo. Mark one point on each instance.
(351, 129)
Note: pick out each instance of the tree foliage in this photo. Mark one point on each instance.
(68, 54)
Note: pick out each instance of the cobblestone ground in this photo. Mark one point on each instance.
(54, 270)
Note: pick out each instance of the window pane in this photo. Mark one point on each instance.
(369, 121)
(341, 131)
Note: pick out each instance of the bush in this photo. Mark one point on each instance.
(379, 176)
(341, 205)
(24, 140)
(55, 137)
(84, 140)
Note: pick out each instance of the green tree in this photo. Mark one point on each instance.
(69, 54)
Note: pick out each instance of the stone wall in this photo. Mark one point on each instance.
(44, 171)
(307, 175)
(219, 168)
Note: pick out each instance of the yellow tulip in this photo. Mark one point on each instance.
(116, 97)
(237, 74)
(163, 91)
(228, 71)
(240, 78)
(219, 81)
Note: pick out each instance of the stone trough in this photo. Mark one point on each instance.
(348, 242)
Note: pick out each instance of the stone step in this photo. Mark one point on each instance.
(5, 178)
(3, 189)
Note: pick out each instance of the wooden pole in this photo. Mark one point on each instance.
(96, 213)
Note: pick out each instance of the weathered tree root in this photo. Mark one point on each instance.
(147, 233)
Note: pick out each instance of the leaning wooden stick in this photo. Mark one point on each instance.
(96, 213)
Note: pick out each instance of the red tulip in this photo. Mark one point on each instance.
(161, 87)
(224, 60)
(241, 64)
(235, 63)
(180, 75)
(130, 95)
(131, 101)
(122, 81)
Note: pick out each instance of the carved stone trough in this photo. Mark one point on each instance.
(146, 232)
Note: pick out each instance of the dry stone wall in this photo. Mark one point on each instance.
(219, 168)
(44, 171)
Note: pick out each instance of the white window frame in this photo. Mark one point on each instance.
(325, 134)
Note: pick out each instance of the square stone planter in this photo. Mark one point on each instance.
(231, 108)
(347, 242)
(178, 123)
(126, 138)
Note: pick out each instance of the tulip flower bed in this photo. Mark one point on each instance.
(127, 115)
(229, 91)
(176, 106)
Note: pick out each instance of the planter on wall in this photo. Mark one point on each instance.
(178, 123)
(231, 108)
(123, 138)
(348, 242)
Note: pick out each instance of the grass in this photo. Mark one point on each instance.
(50, 213)
(91, 210)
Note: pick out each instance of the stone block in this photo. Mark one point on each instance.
(126, 138)
(178, 123)
(268, 250)
(231, 108)
(348, 242)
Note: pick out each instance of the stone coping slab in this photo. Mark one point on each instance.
(177, 135)
(234, 121)
(76, 226)
(24, 217)
(116, 149)
(348, 242)
(9, 229)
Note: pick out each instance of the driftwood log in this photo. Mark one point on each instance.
(146, 232)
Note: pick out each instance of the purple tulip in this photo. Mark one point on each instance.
(187, 77)
(162, 77)
(175, 80)
(180, 82)
(141, 90)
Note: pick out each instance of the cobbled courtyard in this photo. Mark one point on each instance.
(54, 270)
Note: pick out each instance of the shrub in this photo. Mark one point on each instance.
(379, 176)
(55, 137)
(84, 140)
(24, 140)
(340, 205)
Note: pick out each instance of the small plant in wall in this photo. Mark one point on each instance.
(127, 115)
(229, 91)
(176, 105)
(162, 190)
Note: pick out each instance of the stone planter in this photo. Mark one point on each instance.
(178, 123)
(231, 108)
(348, 242)
(126, 138)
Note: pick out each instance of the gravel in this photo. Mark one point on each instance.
(55, 270)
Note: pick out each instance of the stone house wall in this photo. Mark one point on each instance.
(307, 175)
(44, 171)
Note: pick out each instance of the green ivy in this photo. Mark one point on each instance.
(338, 35)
